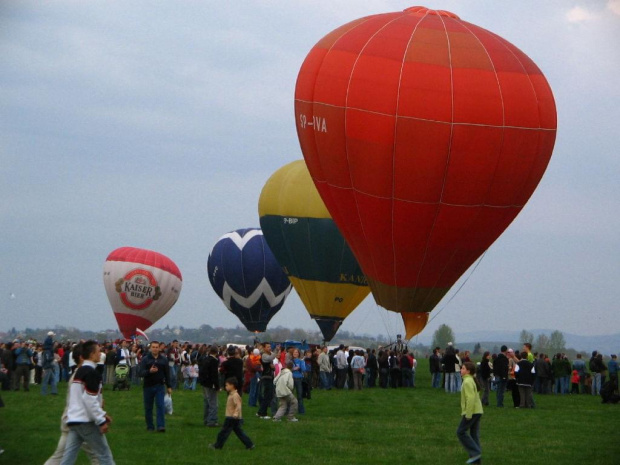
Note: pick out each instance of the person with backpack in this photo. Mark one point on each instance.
(47, 364)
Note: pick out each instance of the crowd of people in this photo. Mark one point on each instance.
(48, 363)
(524, 373)
(276, 379)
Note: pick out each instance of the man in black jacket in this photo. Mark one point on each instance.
(435, 367)
(500, 369)
(371, 368)
(266, 380)
(525, 374)
(156, 373)
(208, 376)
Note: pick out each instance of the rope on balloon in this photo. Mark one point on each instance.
(385, 318)
(361, 309)
(458, 290)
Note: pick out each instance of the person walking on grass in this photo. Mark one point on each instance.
(468, 431)
(284, 392)
(234, 418)
(155, 370)
(86, 419)
(56, 457)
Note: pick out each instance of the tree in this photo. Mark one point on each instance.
(526, 336)
(477, 349)
(557, 343)
(542, 343)
(442, 336)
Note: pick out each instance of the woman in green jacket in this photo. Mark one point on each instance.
(471, 411)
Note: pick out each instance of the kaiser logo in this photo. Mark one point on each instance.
(138, 289)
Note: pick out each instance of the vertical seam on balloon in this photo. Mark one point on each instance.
(314, 90)
(314, 104)
(400, 78)
(481, 208)
(525, 182)
(281, 227)
(430, 234)
(313, 265)
(346, 145)
(311, 302)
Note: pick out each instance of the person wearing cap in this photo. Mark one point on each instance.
(253, 368)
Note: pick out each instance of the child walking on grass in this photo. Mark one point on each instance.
(234, 419)
(471, 411)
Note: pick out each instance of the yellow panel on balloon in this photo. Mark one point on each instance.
(329, 299)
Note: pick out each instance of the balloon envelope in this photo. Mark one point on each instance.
(414, 323)
(142, 286)
(310, 248)
(247, 277)
(425, 136)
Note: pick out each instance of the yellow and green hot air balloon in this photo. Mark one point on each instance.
(308, 245)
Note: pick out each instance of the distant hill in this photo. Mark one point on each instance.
(607, 344)
(489, 340)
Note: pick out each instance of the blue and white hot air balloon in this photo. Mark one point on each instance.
(245, 274)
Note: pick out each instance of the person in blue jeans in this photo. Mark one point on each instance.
(156, 373)
(299, 367)
(468, 431)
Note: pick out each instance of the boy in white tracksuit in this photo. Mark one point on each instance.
(284, 392)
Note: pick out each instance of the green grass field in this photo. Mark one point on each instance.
(373, 426)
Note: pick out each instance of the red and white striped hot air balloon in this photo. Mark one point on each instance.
(142, 286)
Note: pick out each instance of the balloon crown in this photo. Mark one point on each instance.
(424, 10)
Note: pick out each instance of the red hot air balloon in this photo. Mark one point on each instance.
(425, 136)
(142, 286)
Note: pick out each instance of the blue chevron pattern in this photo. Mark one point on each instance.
(246, 276)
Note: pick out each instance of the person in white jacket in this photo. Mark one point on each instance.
(86, 419)
(284, 392)
(56, 457)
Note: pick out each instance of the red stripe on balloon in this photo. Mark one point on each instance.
(128, 324)
(145, 257)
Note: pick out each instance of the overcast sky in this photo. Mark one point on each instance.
(156, 124)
